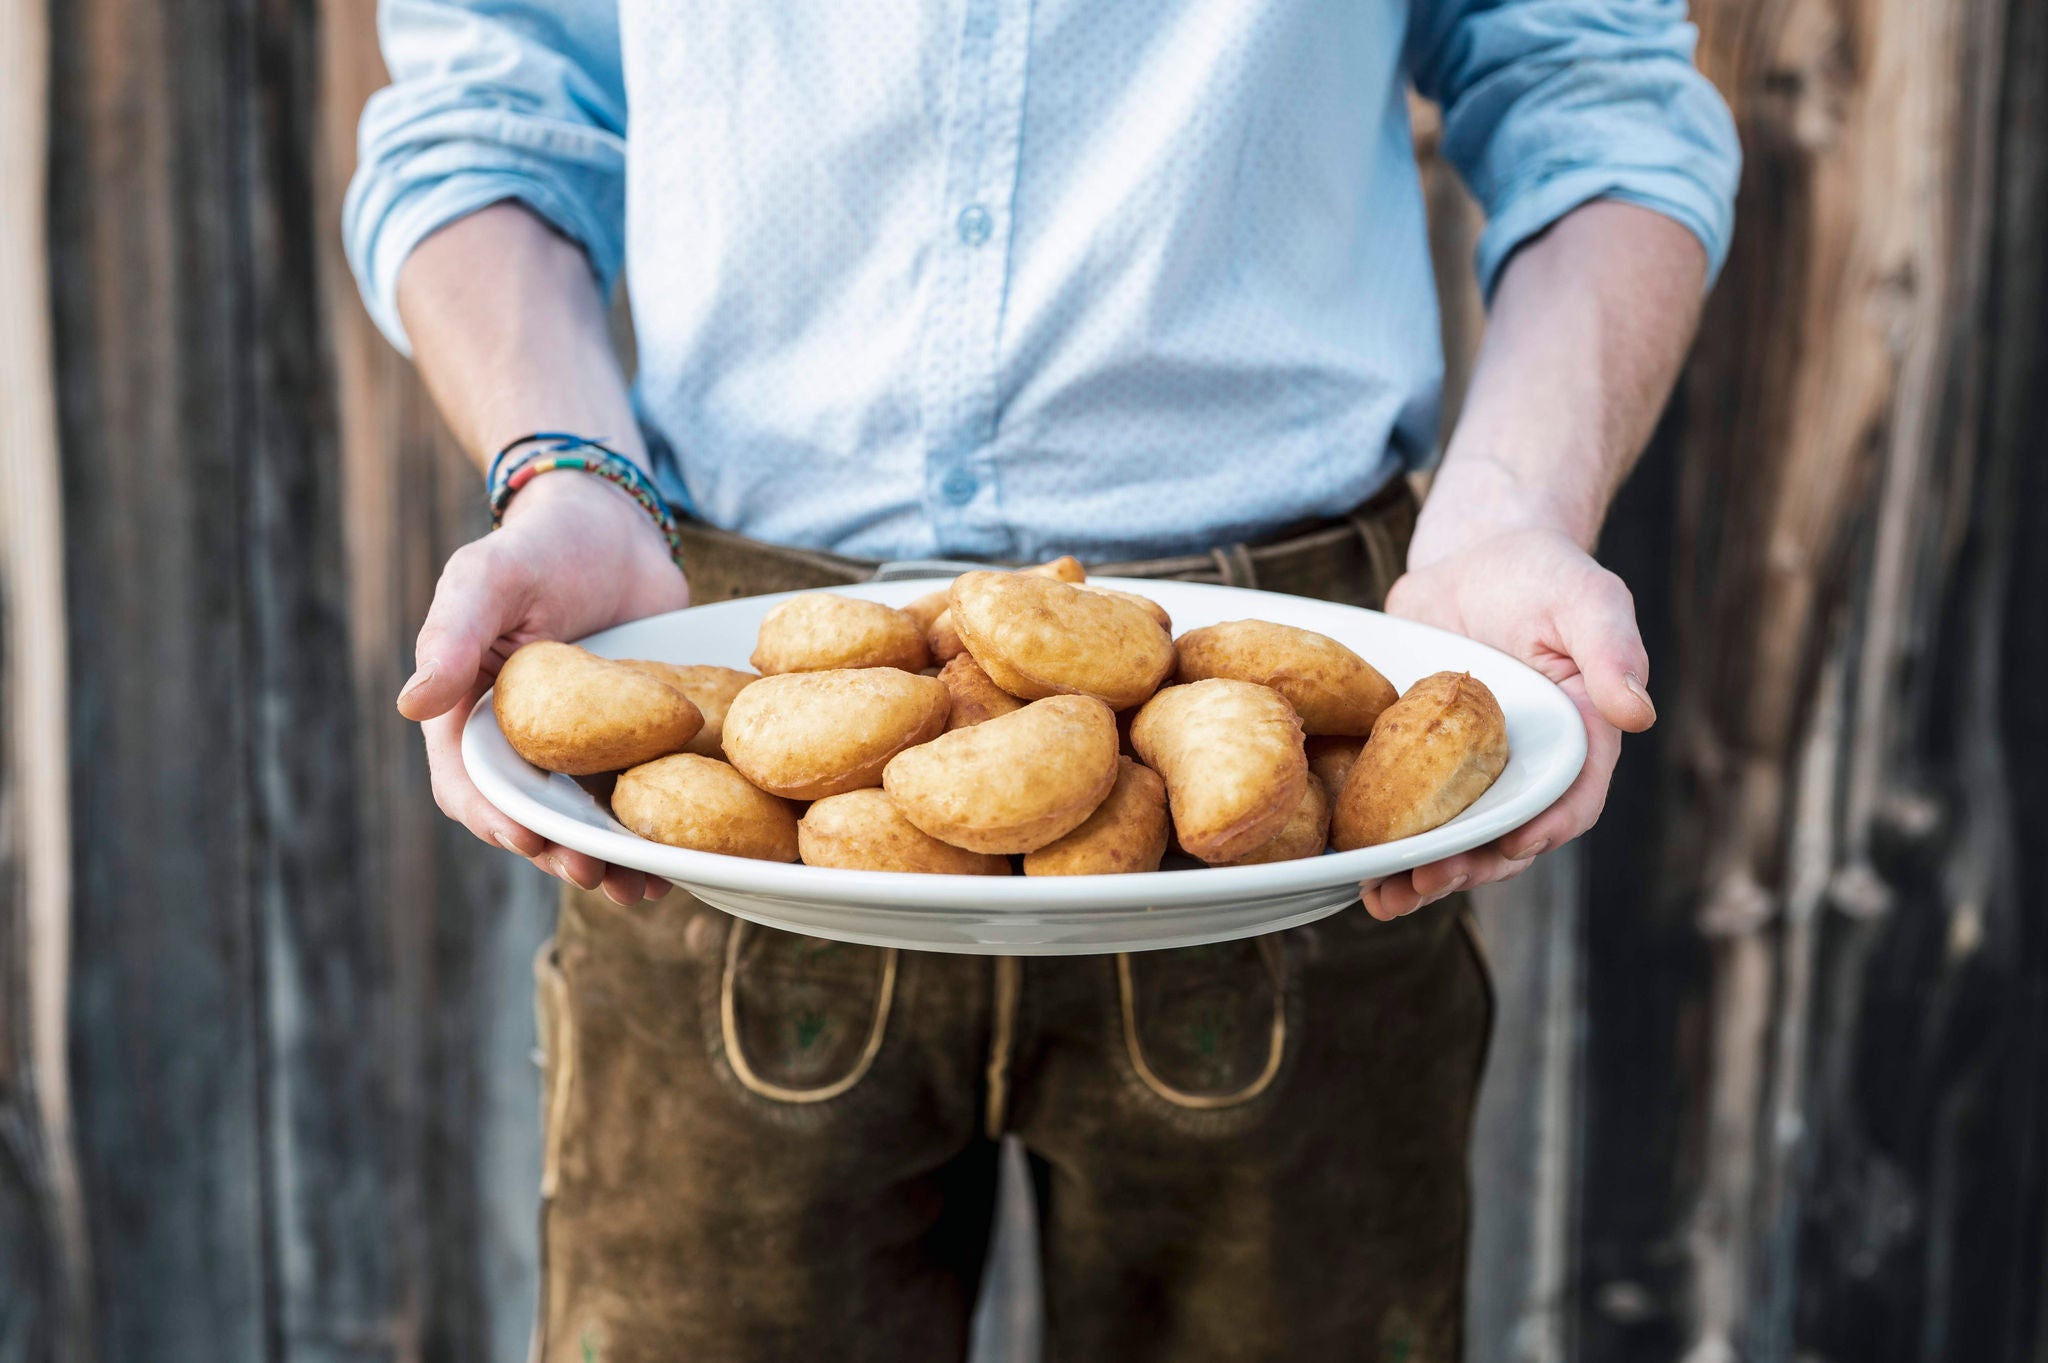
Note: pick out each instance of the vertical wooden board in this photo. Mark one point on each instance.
(1525, 1138)
(327, 974)
(1643, 979)
(31, 1279)
(44, 1314)
(1928, 1209)
(461, 921)
(166, 1056)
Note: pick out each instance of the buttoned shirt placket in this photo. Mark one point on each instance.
(963, 319)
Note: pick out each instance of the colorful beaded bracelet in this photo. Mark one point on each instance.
(552, 450)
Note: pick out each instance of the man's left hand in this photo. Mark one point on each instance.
(1533, 593)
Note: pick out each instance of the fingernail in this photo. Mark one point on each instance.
(1445, 892)
(617, 898)
(1534, 849)
(505, 842)
(657, 888)
(418, 679)
(1635, 688)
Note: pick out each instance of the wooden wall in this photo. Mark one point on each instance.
(1771, 1074)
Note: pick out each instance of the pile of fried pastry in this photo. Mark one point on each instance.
(1026, 720)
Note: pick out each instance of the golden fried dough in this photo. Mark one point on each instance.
(926, 609)
(1038, 637)
(1330, 757)
(1231, 753)
(1065, 568)
(710, 689)
(863, 830)
(818, 631)
(565, 709)
(1144, 603)
(806, 735)
(1305, 834)
(1127, 831)
(688, 800)
(943, 640)
(975, 697)
(1432, 753)
(1333, 689)
(1013, 783)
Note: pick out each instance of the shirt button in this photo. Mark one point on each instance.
(975, 224)
(960, 487)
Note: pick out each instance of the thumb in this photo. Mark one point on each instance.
(1597, 627)
(475, 603)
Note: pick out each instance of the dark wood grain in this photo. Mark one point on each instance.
(300, 997)
(1815, 965)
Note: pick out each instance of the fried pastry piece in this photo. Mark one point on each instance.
(1305, 834)
(1432, 753)
(1231, 753)
(565, 709)
(1013, 783)
(807, 735)
(1065, 568)
(709, 688)
(1144, 603)
(943, 640)
(687, 800)
(863, 830)
(818, 632)
(975, 697)
(1330, 757)
(926, 609)
(1127, 832)
(1038, 637)
(1333, 689)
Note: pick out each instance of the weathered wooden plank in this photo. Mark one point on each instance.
(1525, 1142)
(1836, 796)
(43, 1309)
(148, 302)
(460, 922)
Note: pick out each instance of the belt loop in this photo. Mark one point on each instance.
(1380, 551)
(1234, 566)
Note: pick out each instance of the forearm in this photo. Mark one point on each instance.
(1588, 328)
(509, 333)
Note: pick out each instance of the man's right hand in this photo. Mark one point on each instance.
(575, 555)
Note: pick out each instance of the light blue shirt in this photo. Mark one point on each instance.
(1015, 278)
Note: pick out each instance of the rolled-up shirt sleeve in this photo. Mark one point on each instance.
(1548, 104)
(488, 102)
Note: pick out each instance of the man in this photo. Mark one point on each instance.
(995, 279)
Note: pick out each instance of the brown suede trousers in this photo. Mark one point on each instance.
(766, 1148)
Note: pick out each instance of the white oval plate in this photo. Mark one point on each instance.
(1054, 915)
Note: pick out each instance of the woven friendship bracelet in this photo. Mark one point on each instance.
(528, 457)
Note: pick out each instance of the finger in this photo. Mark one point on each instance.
(1390, 898)
(624, 886)
(657, 888)
(1578, 809)
(475, 602)
(580, 869)
(1597, 626)
(458, 797)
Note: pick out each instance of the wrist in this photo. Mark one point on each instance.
(1476, 497)
(587, 507)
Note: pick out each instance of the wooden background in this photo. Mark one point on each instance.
(1772, 1076)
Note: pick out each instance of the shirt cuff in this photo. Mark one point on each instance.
(390, 213)
(1707, 211)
